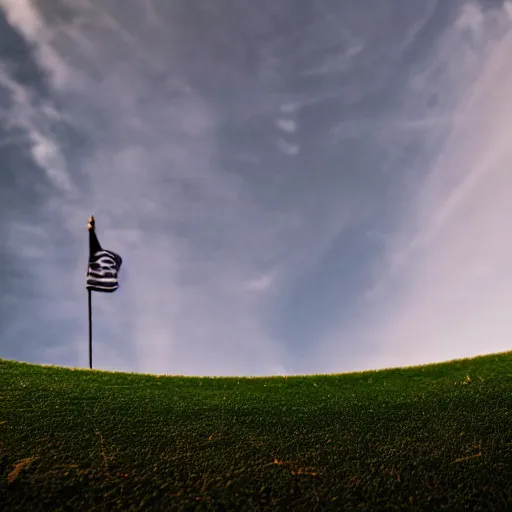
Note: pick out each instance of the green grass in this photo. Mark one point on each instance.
(423, 438)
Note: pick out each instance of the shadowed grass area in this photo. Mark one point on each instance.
(435, 437)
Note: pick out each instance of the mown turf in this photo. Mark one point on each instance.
(436, 437)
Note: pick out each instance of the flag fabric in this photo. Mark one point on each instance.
(103, 268)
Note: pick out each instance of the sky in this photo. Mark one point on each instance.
(294, 187)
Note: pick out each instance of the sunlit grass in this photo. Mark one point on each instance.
(426, 438)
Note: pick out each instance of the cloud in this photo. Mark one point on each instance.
(24, 15)
(338, 62)
(287, 125)
(289, 108)
(508, 8)
(287, 147)
(415, 28)
(37, 126)
(470, 17)
(260, 284)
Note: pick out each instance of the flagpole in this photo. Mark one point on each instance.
(90, 227)
(90, 328)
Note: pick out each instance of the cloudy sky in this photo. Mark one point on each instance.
(294, 187)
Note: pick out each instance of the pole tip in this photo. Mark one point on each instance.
(91, 223)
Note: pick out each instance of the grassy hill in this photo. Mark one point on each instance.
(435, 437)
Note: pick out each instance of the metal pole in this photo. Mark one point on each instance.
(90, 228)
(90, 329)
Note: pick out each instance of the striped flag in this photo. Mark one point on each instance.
(103, 268)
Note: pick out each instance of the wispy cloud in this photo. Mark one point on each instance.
(35, 121)
(288, 148)
(287, 125)
(260, 284)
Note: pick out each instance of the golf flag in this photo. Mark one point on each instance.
(103, 269)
